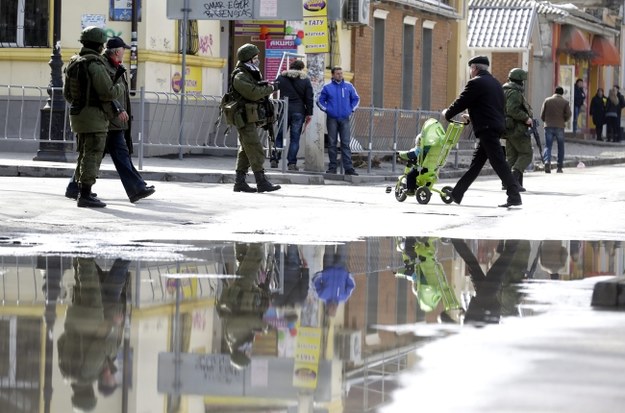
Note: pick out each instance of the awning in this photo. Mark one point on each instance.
(573, 40)
(605, 53)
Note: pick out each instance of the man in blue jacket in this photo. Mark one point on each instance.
(334, 284)
(338, 99)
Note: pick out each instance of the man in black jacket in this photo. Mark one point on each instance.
(484, 98)
(295, 85)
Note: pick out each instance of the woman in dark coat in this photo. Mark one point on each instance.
(597, 111)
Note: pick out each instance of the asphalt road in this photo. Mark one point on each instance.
(582, 203)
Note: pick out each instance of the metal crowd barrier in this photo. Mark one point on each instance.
(168, 123)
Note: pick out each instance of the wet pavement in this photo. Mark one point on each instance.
(381, 324)
(125, 309)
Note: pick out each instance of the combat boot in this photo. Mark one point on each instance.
(262, 184)
(518, 175)
(240, 185)
(86, 198)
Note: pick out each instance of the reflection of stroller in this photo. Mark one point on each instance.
(432, 151)
(427, 275)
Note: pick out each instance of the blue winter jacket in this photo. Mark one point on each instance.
(334, 284)
(338, 99)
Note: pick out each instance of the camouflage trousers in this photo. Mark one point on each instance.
(90, 151)
(519, 152)
(251, 153)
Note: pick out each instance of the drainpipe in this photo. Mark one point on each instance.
(134, 56)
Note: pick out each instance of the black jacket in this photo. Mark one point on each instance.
(597, 109)
(295, 85)
(483, 97)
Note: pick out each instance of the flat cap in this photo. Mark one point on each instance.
(479, 60)
(115, 42)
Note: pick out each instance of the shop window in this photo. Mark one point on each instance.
(24, 23)
(193, 39)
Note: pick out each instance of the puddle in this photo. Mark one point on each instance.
(228, 326)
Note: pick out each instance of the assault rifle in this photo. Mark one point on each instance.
(534, 131)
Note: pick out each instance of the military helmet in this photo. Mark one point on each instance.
(93, 34)
(246, 52)
(517, 74)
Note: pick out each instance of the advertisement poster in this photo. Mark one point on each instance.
(316, 39)
(193, 80)
(307, 353)
(274, 53)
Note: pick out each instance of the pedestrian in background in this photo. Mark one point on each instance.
(579, 99)
(118, 138)
(621, 100)
(295, 85)
(90, 91)
(612, 110)
(518, 120)
(339, 99)
(555, 112)
(597, 111)
(252, 93)
(484, 98)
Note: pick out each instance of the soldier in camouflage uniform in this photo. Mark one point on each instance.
(93, 328)
(518, 120)
(243, 303)
(251, 91)
(90, 91)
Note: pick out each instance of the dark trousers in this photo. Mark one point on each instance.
(118, 150)
(488, 148)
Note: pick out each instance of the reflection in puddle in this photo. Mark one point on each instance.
(263, 327)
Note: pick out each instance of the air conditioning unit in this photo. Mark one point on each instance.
(357, 12)
(348, 345)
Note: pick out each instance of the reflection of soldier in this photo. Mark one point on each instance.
(242, 304)
(334, 284)
(93, 330)
(486, 306)
(429, 282)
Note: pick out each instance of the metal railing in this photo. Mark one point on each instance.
(159, 129)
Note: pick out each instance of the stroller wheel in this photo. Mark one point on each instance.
(423, 195)
(400, 189)
(446, 194)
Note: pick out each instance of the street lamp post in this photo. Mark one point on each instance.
(53, 125)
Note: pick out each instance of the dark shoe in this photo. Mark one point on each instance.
(262, 184)
(351, 172)
(292, 167)
(72, 191)
(90, 202)
(331, 171)
(559, 171)
(547, 168)
(86, 198)
(512, 201)
(274, 164)
(240, 185)
(143, 194)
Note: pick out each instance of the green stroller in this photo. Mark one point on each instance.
(433, 146)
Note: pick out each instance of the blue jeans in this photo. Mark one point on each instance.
(550, 133)
(576, 110)
(296, 122)
(339, 127)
